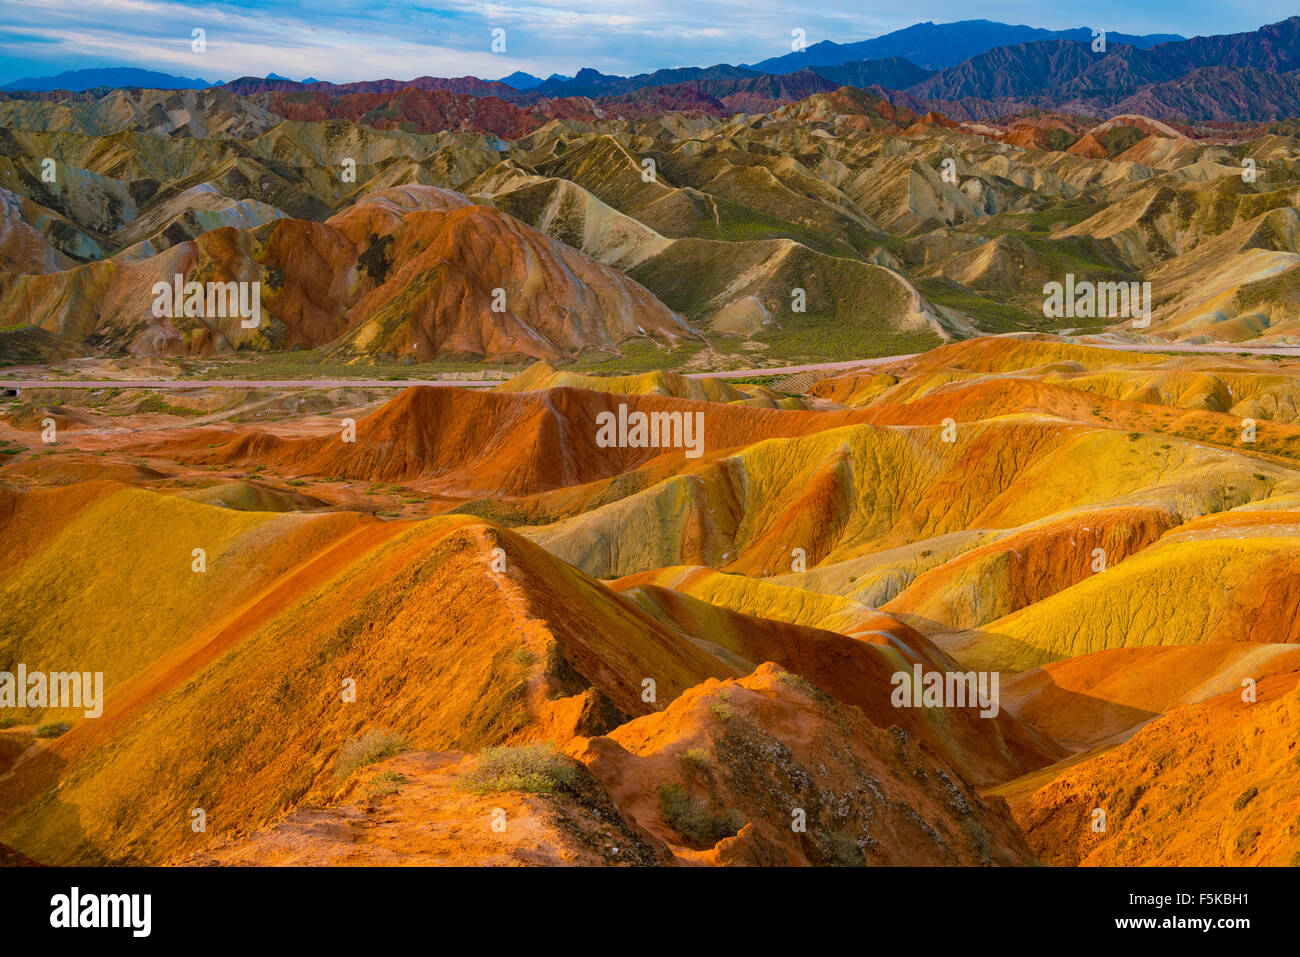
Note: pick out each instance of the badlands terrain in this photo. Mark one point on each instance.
(640, 657)
(344, 616)
(656, 228)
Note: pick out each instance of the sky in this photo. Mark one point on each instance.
(346, 41)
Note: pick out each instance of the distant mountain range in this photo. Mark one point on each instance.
(936, 46)
(969, 70)
(76, 81)
(1240, 76)
(927, 45)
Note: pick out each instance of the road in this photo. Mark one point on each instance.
(1227, 349)
(391, 383)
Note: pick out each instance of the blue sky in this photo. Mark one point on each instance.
(341, 41)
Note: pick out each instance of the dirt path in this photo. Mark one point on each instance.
(411, 810)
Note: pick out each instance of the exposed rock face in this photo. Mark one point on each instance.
(409, 271)
(426, 111)
(23, 249)
(733, 773)
(1236, 762)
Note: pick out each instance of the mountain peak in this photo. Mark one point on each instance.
(521, 80)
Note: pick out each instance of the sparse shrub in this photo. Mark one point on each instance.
(1244, 798)
(691, 817)
(806, 687)
(842, 850)
(535, 768)
(387, 783)
(367, 748)
(53, 729)
(524, 657)
(8, 722)
(156, 403)
(723, 711)
(696, 758)
(1246, 840)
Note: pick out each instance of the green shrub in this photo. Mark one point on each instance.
(691, 817)
(696, 758)
(842, 850)
(367, 748)
(53, 729)
(535, 768)
(387, 783)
